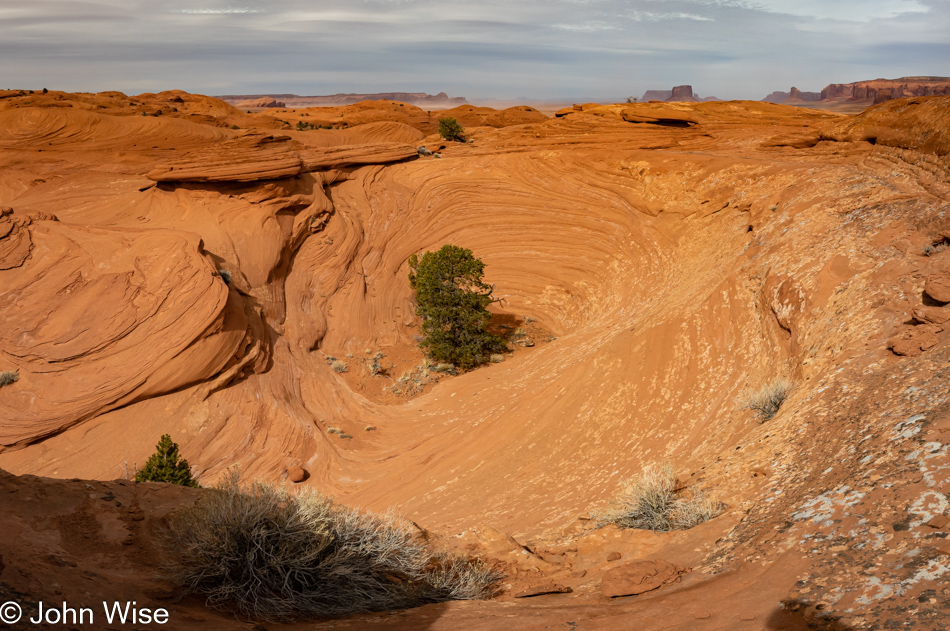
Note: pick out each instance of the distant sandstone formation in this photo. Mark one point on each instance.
(874, 91)
(294, 100)
(679, 93)
(793, 95)
(879, 90)
(264, 101)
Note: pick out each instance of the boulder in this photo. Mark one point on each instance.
(932, 315)
(296, 474)
(938, 287)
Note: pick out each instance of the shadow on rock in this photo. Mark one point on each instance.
(800, 615)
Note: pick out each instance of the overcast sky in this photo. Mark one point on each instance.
(494, 48)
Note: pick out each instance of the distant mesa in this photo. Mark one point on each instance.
(679, 93)
(792, 96)
(264, 101)
(870, 92)
(440, 100)
(656, 95)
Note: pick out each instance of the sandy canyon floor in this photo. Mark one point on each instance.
(662, 259)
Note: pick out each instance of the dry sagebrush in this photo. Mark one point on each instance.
(648, 501)
(767, 400)
(283, 556)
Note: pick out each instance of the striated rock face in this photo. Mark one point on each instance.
(255, 157)
(248, 294)
(880, 90)
(96, 318)
(912, 124)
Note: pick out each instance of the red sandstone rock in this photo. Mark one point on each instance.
(546, 588)
(910, 124)
(296, 474)
(635, 578)
(938, 287)
(932, 315)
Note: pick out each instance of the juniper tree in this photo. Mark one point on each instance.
(165, 465)
(450, 129)
(451, 299)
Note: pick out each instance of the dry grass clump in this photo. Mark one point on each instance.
(279, 556)
(414, 380)
(375, 364)
(767, 400)
(648, 501)
(7, 377)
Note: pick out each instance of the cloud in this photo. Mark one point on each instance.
(650, 16)
(227, 11)
(551, 48)
(842, 10)
(587, 27)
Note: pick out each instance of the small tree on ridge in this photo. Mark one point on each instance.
(166, 466)
(450, 129)
(451, 299)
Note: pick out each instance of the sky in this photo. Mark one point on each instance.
(501, 49)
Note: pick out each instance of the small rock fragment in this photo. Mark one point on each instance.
(940, 521)
(540, 590)
(614, 556)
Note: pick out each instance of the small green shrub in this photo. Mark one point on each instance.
(281, 556)
(450, 129)
(451, 299)
(7, 377)
(767, 400)
(648, 501)
(166, 466)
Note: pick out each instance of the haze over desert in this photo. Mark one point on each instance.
(357, 317)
